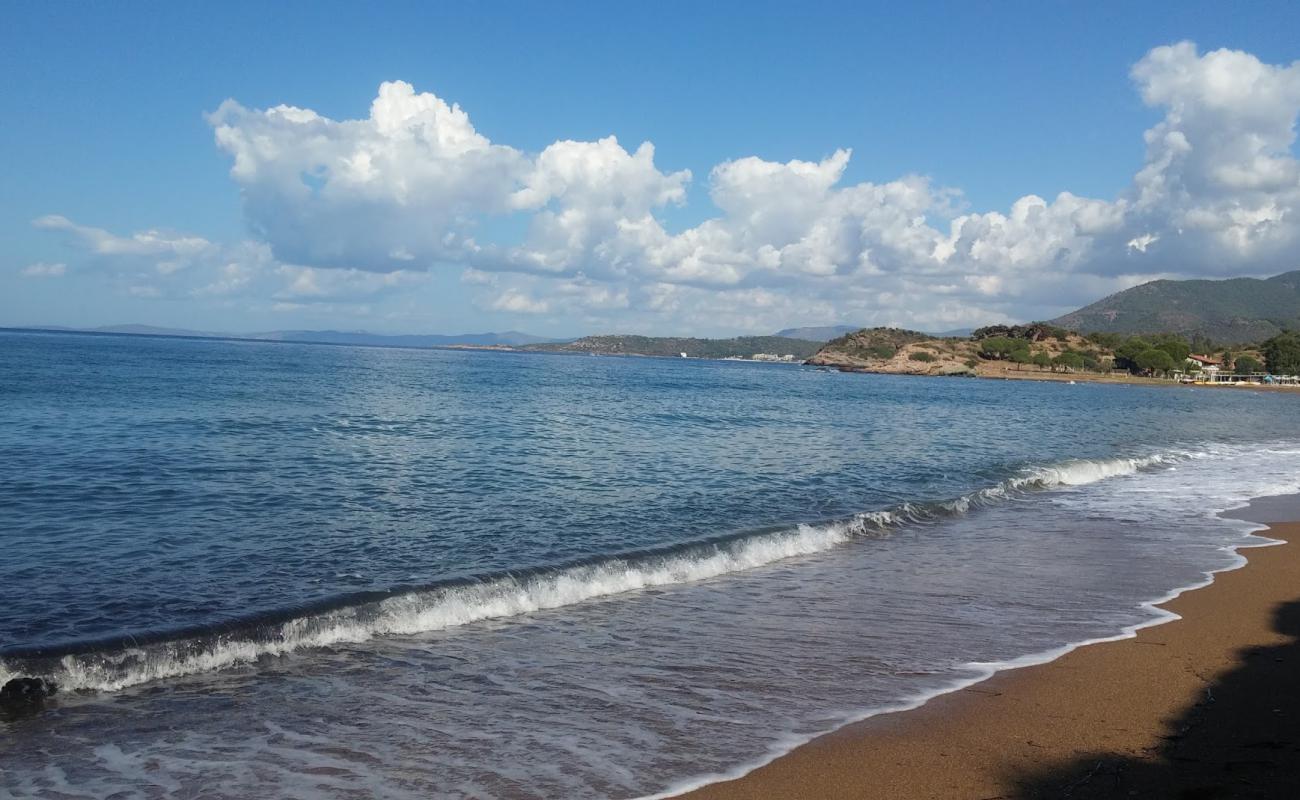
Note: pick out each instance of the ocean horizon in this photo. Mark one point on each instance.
(268, 569)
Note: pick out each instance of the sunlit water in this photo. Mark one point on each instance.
(304, 571)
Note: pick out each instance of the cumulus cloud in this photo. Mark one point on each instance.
(1220, 181)
(381, 193)
(359, 207)
(408, 186)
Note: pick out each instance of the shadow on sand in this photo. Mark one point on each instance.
(1242, 739)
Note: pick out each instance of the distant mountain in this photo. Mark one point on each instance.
(823, 333)
(674, 346)
(507, 339)
(1231, 311)
(152, 330)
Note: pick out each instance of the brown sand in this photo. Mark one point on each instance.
(1207, 706)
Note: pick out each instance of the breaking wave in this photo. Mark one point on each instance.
(116, 664)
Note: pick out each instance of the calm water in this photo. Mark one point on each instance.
(280, 570)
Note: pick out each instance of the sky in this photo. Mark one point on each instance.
(706, 169)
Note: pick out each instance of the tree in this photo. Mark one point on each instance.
(1068, 360)
(1154, 361)
(1041, 359)
(1282, 354)
(1033, 332)
(1126, 354)
(996, 347)
(1248, 364)
(1177, 349)
(1110, 341)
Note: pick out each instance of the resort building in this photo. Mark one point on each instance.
(1205, 369)
(1208, 365)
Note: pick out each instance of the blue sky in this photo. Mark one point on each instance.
(106, 127)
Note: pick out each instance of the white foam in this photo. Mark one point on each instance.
(510, 596)
(1236, 495)
(439, 609)
(982, 671)
(1081, 473)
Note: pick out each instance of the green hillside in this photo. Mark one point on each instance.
(1231, 311)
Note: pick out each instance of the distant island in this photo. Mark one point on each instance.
(758, 348)
(360, 338)
(818, 333)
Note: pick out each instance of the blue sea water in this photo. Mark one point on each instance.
(264, 569)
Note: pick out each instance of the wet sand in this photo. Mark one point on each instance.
(1207, 706)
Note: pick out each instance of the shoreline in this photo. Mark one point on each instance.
(1071, 377)
(1005, 375)
(1100, 718)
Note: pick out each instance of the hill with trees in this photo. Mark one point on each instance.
(1033, 350)
(1233, 311)
(1044, 350)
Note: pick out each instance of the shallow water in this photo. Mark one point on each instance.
(323, 571)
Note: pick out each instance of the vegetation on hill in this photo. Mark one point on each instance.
(1011, 351)
(1282, 354)
(993, 351)
(674, 346)
(1033, 332)
(1234, 311)
(876, 343)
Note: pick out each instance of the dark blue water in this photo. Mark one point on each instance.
(177, 512)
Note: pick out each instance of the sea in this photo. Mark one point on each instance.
(262, 569)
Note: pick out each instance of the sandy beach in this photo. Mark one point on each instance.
(1206, 706)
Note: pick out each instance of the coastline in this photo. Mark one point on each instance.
(1081, 377)
(991, 371)
(1204, 699)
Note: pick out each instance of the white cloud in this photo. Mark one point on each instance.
(231, 279)
(312, 282)
(355, 208)
(379, 193)
(154, 265)
(515, 301)
(42, 269)
(145, 243)
(1221, 183)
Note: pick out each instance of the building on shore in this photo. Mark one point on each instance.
(1206, 370)
(1209, 366)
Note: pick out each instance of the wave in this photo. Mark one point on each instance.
(110, 666)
